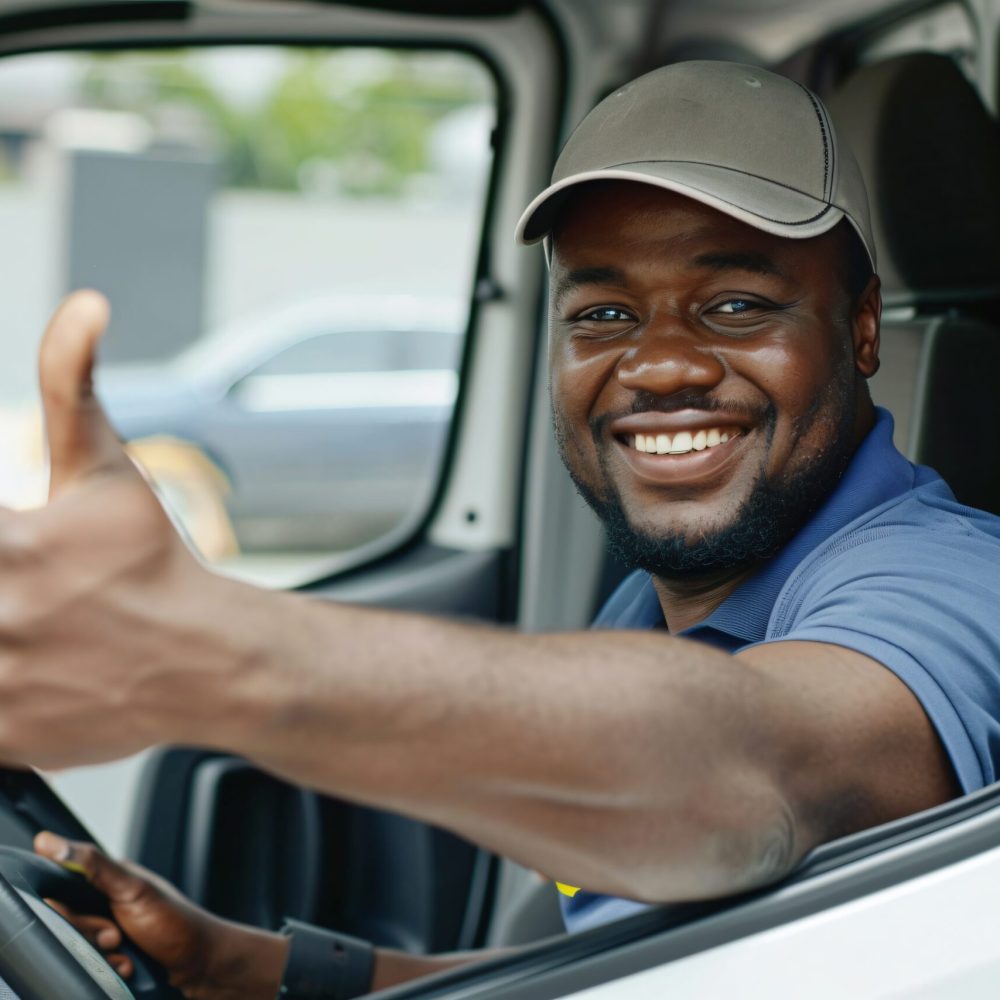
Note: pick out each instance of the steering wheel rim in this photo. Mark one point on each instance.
(38, 965)
(42, 957)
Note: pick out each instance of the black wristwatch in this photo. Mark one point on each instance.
(325, 965)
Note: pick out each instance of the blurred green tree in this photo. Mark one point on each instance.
(362, 124)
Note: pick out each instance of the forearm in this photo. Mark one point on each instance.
(239, 962)
(590, 756)
(394, 967)
(247, 964)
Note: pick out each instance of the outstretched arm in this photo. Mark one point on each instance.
(630, 763)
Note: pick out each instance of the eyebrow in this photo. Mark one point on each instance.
(744, 260)
(717, 260)
(587, 276)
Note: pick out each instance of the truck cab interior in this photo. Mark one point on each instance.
(499, 533)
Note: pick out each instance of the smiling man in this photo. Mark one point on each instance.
(707, 400)
(809, 645)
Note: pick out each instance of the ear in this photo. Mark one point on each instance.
(865, 325)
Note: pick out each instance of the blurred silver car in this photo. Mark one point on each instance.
(315, 426)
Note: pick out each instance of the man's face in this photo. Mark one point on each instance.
(707, 378)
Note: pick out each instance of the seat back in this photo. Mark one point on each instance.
(940, 378)
(930, 153)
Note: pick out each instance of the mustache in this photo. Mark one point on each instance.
(648, 402)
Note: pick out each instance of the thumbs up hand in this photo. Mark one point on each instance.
(81, 441)
(109, 626)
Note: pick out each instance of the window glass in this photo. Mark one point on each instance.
(329, 352)
(287, 237)
(380, 350)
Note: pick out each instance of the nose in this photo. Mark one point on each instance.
(668, 358)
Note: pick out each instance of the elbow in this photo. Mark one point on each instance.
(723, 848)
(771, 849)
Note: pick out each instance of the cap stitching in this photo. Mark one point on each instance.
(735, 170)
(827, 157)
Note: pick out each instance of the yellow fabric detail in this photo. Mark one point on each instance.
(567, 890)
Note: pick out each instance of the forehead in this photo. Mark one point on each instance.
(641, 222)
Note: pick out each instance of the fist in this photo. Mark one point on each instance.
(205, 957)
(101, 602)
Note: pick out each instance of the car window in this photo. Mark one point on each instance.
(288, 237)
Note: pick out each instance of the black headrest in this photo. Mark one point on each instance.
(930, 153)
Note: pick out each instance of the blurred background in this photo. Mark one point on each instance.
(288, 237)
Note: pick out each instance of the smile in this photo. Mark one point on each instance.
(685, 448)
(681, 442)
(688, 458)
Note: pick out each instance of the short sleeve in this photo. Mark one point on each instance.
(923, 600)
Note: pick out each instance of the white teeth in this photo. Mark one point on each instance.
(681, 443)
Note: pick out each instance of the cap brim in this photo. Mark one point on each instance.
(760, 203)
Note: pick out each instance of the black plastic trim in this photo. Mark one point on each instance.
(26, 798)
(18, 21)
(446, 8)
(482, 888)
(426, 578)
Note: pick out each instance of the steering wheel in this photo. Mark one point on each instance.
(42, 957)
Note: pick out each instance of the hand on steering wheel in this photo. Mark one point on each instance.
(203, 956)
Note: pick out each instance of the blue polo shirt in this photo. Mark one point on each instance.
(892, 566)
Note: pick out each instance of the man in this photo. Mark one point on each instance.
(809, 649)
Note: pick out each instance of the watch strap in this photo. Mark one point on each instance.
(325, 965)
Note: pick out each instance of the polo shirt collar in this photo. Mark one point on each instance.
(876, 474)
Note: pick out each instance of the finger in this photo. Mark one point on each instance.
(99, 931)
(113, 879)
(122, 964)
(81, 440)
(61, 908)
(108, 938)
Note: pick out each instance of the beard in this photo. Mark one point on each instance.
(773, 512)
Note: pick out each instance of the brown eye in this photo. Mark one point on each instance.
(608, 314)
(736, 307)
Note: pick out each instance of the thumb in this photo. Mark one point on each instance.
(81, 440)
(114, 880)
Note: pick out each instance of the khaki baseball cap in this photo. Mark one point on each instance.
(740, 139)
